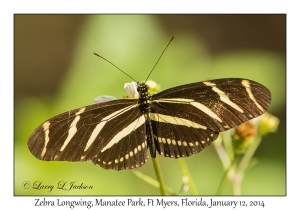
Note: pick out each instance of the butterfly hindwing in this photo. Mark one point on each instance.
(127, 149)
(177, 137)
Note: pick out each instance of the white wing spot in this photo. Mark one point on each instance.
(209, 84)
(175, 120)
(169, 141)
(109, 163)
(139, 148)
(191, 144)
(193, 103)
(173, 142)
(121, 159)
(131, 127)
(184, 143)
(179, 143)
(206, 110)
(116, 161)
(135, 150)
(143, 145)
(246, 84)
(46, 126)
(126, 156)
(202, 142)
(99, 127)
(72, 129)
(223, 96)
(196, 143)
(55, 157)
(131, 153)
(175, 100)
(163, 140)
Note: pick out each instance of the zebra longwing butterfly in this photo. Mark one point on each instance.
(176, 122)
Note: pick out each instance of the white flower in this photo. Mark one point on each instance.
(153, 86)
(131, 90)
(101, 99)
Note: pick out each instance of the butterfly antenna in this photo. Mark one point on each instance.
(160, 56)
(114, 65)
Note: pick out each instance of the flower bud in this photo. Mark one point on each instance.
(153, 86)
(243, 136)
(268, 124)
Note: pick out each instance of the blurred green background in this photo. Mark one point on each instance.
(56, 71)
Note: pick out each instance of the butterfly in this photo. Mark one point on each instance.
(177, 122)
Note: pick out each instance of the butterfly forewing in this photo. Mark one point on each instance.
(217, 104)
(81, 133)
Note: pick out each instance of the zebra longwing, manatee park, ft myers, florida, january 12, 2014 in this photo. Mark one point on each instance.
(175, 123)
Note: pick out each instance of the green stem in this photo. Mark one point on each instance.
(152, 181)
(249, 154)
(159, 176)
(244, 164)
(222, 184)
(226, 161)
(227, 141)
(186, 172)
(237, 184)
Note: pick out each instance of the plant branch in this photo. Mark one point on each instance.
(159, 176)
(186, 172)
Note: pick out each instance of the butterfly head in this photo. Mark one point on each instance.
(142, 88)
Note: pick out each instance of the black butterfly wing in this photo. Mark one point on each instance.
(175, 136)
(111, 134)
(184, 120)
(187, 118)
